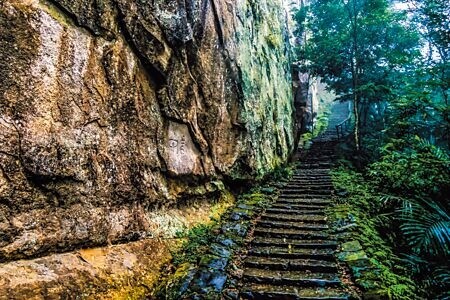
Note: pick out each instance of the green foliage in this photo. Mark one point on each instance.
(426, 227)
(412, 168)
(388, 274)
(322, 121)
(360, 48)
(415, 175)
(282, 172)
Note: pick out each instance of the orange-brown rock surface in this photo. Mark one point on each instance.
(109, 108)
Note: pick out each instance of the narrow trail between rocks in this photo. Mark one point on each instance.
(292, 254)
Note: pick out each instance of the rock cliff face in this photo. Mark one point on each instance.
(109, 108)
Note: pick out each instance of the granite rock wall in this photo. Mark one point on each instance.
(109, 108)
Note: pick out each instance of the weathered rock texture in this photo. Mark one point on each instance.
(117, 272)
(110, 108)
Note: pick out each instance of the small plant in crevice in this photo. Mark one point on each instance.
(282, 172)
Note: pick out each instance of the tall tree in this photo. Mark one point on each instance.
(433, 20)
(355, 46)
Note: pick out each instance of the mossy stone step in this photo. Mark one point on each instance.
(310, 184)
(309, 181)
(295, 218)
(291, 225)
(309, 187)
(315, 172)
(306, 196)
(314, 168)
(310, 200)
(291, 264)
(303, 279)
(290, 233)
(274, 292)
(294, 243)
(320, 161)
(297, 206)
(293, 252)
(304, 191)
(311, 177)
(293, 211)
(324, 155)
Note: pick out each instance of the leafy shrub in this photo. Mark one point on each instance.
(415, 175)
(389, 273)
(417, 170)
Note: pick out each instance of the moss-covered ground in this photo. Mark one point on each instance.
(384, 276)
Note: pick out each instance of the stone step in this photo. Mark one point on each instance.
(295, 218)
(311, 176)
(291, 264)
(315, 166)
(317, 163)
(284, 242)
(297, 206)
(310, 181)
(292, 252)
(275, 292)
(309, 187)
(304, 191)
(291, 225)
(292, 211)
(303, 279)
(320, 160)
(322, 155)
(290, 233)
(307, 196)
(325, 201)
(320, 151)
(316, 171)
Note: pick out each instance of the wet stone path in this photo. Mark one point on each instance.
(292, 254)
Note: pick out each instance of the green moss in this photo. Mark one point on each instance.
(274, 40)
(384, 273)
(196, 247)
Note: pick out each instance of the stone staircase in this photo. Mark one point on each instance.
(292, 255)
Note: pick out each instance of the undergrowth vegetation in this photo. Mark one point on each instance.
(403, 194)
(387, 274)
(414, 179)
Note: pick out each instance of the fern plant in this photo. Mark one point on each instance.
(426, 227)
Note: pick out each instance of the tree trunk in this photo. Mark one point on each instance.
(354, 66)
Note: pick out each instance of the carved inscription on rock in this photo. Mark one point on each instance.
(184, 158)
